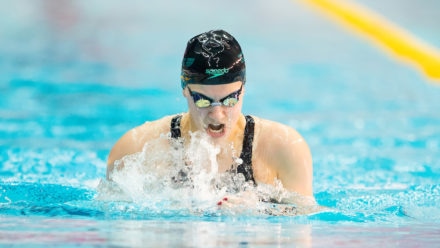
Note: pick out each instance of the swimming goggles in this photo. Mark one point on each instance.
(203, 101)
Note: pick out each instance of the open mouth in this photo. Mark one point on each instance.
(216, 130)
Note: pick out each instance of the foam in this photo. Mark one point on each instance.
(188, 178)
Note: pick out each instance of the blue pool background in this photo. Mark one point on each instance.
(74, 76)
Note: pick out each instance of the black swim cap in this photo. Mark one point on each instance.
(213, 57)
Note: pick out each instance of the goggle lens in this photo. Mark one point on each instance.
(231, 101)
(202, 101)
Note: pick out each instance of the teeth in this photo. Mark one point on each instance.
(217, 128)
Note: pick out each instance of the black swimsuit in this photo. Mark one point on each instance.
(244, 168)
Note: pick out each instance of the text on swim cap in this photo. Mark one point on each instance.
(216, 72)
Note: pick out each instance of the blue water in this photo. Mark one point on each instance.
(74, 76)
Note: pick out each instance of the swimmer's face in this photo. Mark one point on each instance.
(218, 121)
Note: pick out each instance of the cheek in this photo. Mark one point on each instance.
(197, 115)
(192, 107)
(237, 109)
(234, 113)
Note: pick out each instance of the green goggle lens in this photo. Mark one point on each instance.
(229, 102)
(202, 101)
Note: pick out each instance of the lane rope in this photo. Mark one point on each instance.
(382, 32)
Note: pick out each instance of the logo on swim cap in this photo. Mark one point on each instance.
(216, 72)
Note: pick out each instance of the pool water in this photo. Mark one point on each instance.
(76, 75)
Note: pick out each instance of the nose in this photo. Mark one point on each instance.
(217, 112)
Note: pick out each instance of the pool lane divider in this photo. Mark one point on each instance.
(384, 33)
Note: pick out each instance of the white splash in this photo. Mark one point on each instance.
(187, 178)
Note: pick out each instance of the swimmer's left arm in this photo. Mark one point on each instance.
(293, 161)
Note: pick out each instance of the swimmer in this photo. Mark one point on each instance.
(213, 81)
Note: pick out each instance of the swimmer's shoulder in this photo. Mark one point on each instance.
(134, 140)
(154, 129)
(277, 138)
(149, 130)
(268, 129)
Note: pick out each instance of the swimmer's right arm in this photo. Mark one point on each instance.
(131, 142)
(134, 140)
(124, 146)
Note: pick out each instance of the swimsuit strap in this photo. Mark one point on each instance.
(175, 126)
(244, 168)
(246, 152)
